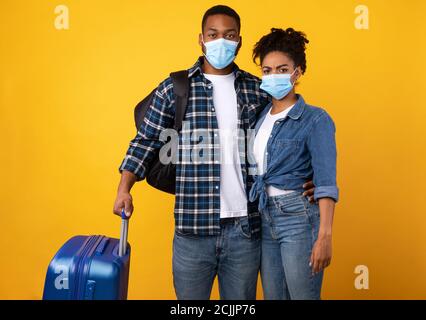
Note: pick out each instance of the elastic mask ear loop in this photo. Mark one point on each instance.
(205, 48)
(292, 75)
(239, 40)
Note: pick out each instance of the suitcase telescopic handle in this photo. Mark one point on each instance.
(124, 231)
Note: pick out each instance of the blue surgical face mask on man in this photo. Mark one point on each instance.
(277, 85)
(221, 52)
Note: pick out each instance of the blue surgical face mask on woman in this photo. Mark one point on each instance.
(277, 85)
(221, 52)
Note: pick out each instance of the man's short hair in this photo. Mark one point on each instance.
(221, 9)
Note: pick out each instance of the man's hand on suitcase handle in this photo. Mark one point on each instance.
(124, 199)
(123, 202)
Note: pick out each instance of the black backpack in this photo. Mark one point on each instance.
(163, 176)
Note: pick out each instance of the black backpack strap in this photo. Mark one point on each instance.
(181, 90)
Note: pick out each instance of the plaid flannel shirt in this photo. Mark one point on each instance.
(197, 199)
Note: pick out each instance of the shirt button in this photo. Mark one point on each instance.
(217, 187)
(212, 109)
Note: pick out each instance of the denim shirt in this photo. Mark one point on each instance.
(301, 146)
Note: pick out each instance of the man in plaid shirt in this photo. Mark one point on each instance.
(216, 228)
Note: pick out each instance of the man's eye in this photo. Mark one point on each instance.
(283, 70)
(231, 36)
(211, 35)
(265, 71)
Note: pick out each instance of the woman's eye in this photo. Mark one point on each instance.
(283, 70)
(211, 35)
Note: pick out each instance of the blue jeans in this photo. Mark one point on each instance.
(234, 256)
(289, 230)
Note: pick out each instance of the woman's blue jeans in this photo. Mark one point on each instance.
(289, 230)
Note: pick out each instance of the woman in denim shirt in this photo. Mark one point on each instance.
(294, 142)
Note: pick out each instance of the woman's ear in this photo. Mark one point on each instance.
(297, 73)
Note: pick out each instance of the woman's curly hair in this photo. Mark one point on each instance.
(289, 41)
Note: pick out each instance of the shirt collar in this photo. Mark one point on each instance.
(296, 112)
(197, 68)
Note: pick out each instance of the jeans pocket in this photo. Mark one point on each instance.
(313, 209)
(182, 234)
(244, 228)
(291, 206)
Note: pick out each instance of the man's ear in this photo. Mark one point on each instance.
(239, 45)
(200, 41)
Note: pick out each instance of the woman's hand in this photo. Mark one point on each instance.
(321, 254)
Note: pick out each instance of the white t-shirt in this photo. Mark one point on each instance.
(260, 143)
(233, 198)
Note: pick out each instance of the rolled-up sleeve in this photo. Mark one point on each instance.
(322, 146)
(144, 147)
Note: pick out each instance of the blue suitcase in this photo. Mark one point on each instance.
(90, 268)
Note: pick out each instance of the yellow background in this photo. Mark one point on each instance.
(66, 118)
